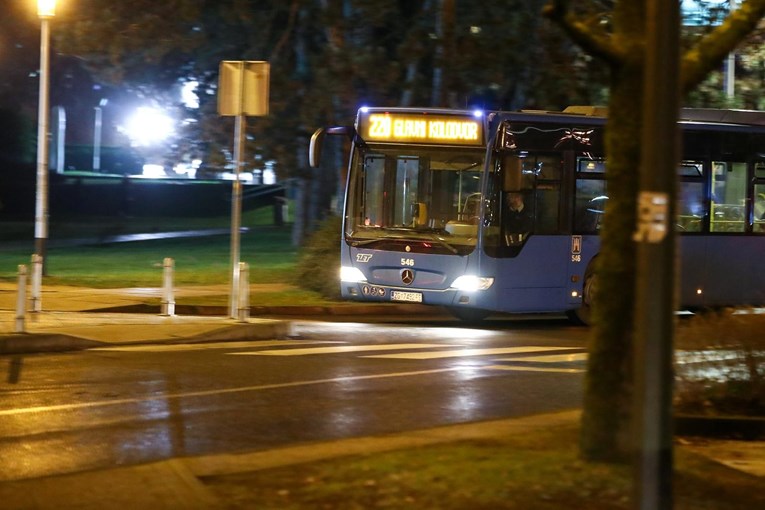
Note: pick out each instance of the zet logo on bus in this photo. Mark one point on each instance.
(413, 128)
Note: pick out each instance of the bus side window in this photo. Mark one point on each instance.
(547, 207)
(547, 200)
(758, 199)
(759, 208)
(691, 206)
(728, 197)
(591, 197)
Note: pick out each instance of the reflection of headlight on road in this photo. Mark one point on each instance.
(351, 275)
(471, 283)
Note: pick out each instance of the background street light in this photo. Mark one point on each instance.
(97, 135)
(46, 9)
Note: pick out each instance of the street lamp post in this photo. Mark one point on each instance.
(46, 9)
(97, 135)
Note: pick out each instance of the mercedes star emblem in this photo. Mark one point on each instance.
(407, 276)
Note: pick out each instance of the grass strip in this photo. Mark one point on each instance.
(537, 470)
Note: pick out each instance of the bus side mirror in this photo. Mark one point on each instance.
(512, 168)
(317, 141)
(314, 149)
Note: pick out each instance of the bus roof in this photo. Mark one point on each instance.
(598, 114)
(705, 115)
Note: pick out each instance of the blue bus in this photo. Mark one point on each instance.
(431, 203)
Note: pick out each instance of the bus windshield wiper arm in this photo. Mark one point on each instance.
(443, 243)
(366, 241)
(440, 241)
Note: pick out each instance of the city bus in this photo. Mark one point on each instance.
(427, 215)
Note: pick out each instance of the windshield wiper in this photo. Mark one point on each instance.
(443, 243)
(439, 240)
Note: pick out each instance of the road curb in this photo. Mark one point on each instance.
(35, 343)
(290, 310)
(263, 330)
(246, 462)
(30, 343)
(746, 428)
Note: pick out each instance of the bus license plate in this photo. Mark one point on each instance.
(411, 297)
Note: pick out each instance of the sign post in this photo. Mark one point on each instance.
(654, 320)
(242, 90)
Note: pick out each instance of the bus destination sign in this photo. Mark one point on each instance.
(421, 128)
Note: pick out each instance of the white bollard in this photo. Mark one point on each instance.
(36, 298)
(168, 296)
(21, 300)
(243, 303)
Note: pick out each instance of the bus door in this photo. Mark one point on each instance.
(533, 249)
(731, 265)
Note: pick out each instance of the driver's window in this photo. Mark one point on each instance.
(372, 196)
(405, 194)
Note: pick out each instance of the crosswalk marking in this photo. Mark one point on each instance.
(517, 368)
(460, 353)
(220, 391)
(203, 346)
(425, 351)
(339, 348)
(550, 358)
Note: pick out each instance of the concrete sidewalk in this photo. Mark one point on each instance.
(70, 320)
(75, 318)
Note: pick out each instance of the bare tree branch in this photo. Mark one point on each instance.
(710, 51)
(287, 31)
(591, 37)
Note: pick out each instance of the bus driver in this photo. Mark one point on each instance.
(518, 219)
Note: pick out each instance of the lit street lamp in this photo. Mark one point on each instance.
(46, 9)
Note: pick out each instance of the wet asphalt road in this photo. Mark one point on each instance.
(135, 404)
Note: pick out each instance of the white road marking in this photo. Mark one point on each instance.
(516, 368)
(203, 346)
(340, 348)
(224, 391)
(460, 353)
(550, 358)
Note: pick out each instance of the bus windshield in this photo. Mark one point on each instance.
(429, 195)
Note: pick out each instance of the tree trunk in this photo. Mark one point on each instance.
(607, 413)
(443, 53)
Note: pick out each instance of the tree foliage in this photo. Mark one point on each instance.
(330, 57)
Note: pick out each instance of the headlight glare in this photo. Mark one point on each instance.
(351, 275)
(472, 283)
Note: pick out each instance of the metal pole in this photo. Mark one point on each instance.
(61, 140)
(97, 140)
(21, 300)
(656, 258)
(168, 297)
(236, 215)
(37, 272)
(236, 198)
(243, 313)
(730, 66)
(41, 199)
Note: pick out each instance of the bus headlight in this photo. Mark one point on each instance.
(351, 275)
(470, 283)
